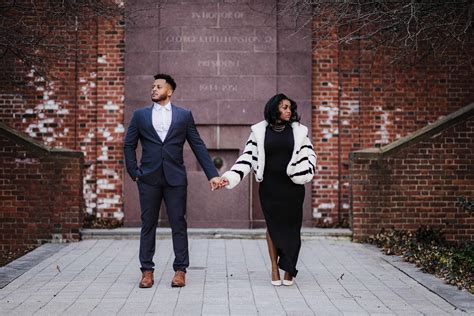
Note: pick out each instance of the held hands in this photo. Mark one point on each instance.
(224, 182)
(214, 182)
(218, 183)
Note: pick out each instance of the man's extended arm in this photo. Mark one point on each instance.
(201, 153)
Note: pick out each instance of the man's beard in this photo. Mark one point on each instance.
(159, 98)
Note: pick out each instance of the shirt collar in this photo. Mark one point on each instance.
(158, 106)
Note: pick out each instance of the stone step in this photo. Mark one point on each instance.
(225, 233)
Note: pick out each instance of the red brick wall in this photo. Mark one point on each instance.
(40, 193)
(361, 100)
(419, 185)
(80, 108)
(110, 115)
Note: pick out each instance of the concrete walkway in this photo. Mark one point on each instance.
(226, 277)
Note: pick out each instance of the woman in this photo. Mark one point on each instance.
(282, 157)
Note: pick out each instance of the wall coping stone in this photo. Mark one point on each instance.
(225, 233)
(36, 145)
(432, 129)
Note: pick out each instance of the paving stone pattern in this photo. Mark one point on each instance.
(226, 277)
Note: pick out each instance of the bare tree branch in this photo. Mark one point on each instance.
(408, 27)
(36, 34)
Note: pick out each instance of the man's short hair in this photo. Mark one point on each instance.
(168, 79)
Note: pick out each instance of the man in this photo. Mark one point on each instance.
(162, 129)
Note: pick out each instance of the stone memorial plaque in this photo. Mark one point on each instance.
(228, 58)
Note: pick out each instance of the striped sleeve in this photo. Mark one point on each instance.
(303, 169)
(243, 164)
(311, 154)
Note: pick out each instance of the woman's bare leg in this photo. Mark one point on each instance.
(272, 251)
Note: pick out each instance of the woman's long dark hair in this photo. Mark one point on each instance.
(272, 114)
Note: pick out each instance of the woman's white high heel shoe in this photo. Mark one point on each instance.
(288, 282)
(276, 283)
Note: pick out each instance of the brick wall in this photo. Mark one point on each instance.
(80, 108)
(418, 181)
(40, 192)
(361, 99)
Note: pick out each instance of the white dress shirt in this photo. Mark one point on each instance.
(161, 117)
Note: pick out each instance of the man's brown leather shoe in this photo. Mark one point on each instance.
(147, 280)
(179, 279)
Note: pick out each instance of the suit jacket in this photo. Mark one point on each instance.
(168, 152)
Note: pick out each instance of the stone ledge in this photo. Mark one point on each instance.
(421, 134)
(35, 145)
(224, 233)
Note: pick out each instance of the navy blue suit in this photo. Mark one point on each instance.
(162, 175)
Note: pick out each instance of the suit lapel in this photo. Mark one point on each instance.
(174, 118)
(150, 122)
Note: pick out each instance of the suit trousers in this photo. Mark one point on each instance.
(153, 188)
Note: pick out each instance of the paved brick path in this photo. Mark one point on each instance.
(226, 277)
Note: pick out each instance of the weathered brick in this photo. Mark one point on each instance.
(417, 200)
(35, 210)
(359, 100)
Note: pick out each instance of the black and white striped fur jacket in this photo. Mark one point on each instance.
(301, 167)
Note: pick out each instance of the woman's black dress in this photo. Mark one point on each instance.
(282, 199)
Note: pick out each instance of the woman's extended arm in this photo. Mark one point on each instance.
(243, 164)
